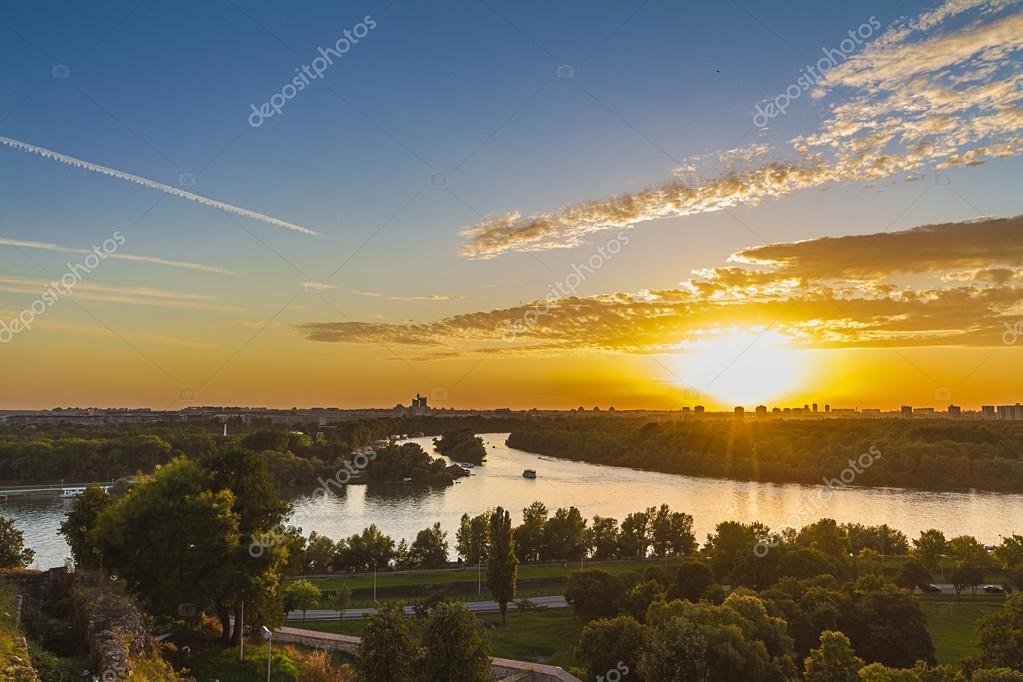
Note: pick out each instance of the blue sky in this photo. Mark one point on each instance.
(466, 89)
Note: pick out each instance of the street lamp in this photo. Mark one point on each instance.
(268, 635)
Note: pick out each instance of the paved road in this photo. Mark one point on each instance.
(947, 588)
(555, 602)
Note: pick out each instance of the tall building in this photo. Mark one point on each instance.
(1011, 412)
(698, 409)
(955, 411)
(906, 410)
(761, 410)
(740, 411)
(987, 411)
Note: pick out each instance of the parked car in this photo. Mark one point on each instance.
(930, 588)
(994, 589)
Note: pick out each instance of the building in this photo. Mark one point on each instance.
(987, 411)
(923, 410)
(740, 411)
(698, 409)
(906, 411)
(1011, 412)
(955, 411)
(761, 410)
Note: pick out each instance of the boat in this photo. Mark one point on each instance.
(407, 479)
(529, 473)
(72, 492)
(466, 465)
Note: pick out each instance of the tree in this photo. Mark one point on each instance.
(825, 536)
(564, 535)
(968, 549)
(1000, 635)
(966, 574)
(319, 553)
(834, 661)
(610, 643)
(691, 581)
(473, 537)
(997, 675)
(671, 533)
(634, 539)
(878, 672)
(529, 536)
(301, 595)
(455, 646)
(339, 600)
(169, 538)
(886, 624)
(929, 548)
(1009, 554)
(430, 548)
(502, 564)
(913, 574)
(602, 538)
(79, 526)
(641, 596)
(13, 553)
(367, 550)
(387, 652)
(595, 594)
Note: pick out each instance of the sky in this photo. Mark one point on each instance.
(634, 204)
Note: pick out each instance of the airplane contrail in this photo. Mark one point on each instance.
(152, 184)
(46, 246)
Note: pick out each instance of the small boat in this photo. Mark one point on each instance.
(407, 479)
(72, 492)
(529, 473)
(466, 465)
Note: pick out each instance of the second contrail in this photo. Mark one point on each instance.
(152, 184)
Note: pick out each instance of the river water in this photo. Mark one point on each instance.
(402, 510)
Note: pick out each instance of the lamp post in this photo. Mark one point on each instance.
(268, 635)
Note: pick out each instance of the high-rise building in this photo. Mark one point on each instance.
(987, 411)
(906, 410)
(1011, 412)
(698, 409)
(815, 407)
(761, 410)
(740, 411)
(955, 411)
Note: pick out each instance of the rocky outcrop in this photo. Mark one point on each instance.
(17, 667)
(113, 628)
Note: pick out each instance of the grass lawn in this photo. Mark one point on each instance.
(461, 584)
(542, 636)
(951, 622)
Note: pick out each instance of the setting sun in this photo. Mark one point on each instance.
(741, 367)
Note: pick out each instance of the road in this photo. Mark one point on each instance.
(555, 602)
(947, 588)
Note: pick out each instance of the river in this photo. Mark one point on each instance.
(402, 510)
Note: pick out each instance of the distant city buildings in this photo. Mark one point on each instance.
(418, 408)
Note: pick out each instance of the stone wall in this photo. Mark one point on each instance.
(112, 627)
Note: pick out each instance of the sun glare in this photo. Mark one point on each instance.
(741, 367)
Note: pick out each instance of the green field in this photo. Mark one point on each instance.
(461, 584)
(542, 636)
(951, 622)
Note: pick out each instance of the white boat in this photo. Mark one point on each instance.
(529, 473)
(466, 465)
(407, 479)
(72, 492)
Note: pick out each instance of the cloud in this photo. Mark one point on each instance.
(421, 297)
(152, 184)
(45, 246)
(943, 89)
(952, 284)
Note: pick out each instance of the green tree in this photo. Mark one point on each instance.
(529, 536)
(634, 540)
(13, 553)
(997, 675)
(387, 652)
(825, 536)
(319, 553)
(595, 594)
(502, 564)
(168, 538)
(473, 537)
(966, 574)
(339, 600)
(455, 646)
(878, 672)
(968, 549)
(430, 548)
(564, 535)
(79, 527)
(671, 533)
(913, 574)
(691, 581)
(1000, 635)
(929, 548)
(301, 595)
(833, 661)
(602, 538)
(611, 644)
